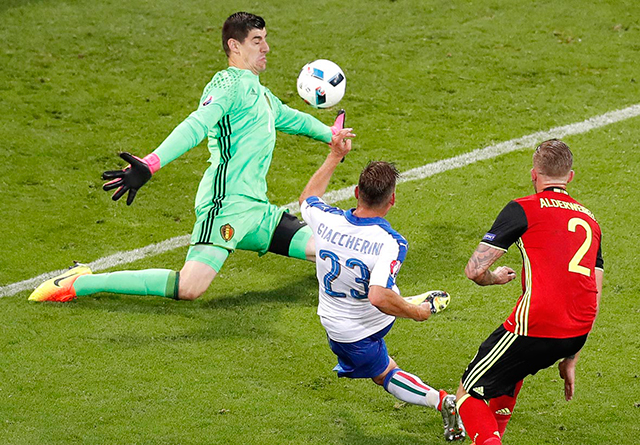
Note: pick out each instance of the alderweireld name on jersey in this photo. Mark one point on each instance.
(546, 202)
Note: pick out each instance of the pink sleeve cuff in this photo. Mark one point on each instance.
(153, 161)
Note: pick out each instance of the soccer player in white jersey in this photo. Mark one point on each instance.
(358, 256)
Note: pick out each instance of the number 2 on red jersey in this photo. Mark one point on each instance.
(574, 264)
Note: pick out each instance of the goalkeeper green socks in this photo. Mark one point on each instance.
(159, 282)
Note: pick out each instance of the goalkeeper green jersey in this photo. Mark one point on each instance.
(240, 118)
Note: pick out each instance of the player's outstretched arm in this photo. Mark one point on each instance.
(478, 266)
(340, 145)
(183, 138)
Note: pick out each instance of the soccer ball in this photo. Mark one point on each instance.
(321, 84)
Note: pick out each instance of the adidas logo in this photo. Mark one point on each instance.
(253, 92)
(504, 412)
(479, 390)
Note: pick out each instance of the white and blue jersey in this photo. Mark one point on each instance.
(352, 254)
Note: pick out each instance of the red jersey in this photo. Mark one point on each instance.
(559, 240)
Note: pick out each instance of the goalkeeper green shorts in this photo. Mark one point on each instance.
(238, 223)
(245, 224)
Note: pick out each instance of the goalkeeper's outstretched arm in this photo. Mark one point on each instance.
(183, 138)
(291, 121)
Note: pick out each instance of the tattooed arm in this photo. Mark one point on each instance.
(478, 267)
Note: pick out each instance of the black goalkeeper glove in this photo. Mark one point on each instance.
(130, 179)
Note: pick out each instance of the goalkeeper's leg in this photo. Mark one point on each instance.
(159, 282)
(293, 238)
(202, 265)
(195, 278)
(78, 281)
(188, 284)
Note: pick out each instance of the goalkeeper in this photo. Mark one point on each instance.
(240, 118)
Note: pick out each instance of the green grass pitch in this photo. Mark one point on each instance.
(248, 363)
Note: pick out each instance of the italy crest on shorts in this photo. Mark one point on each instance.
(227, 232)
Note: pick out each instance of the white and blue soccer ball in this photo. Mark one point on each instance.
(321, 84)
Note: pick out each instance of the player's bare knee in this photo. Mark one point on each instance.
(195, 279)
(187, 297)
(189, 294)
(191, 288)
(379, 380)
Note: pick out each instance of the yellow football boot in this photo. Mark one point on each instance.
(439, 300)
(60, 288)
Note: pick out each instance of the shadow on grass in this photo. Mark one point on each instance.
(133, 321)
(354, 434)
(303, 291)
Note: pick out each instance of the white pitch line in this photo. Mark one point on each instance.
(425, 171)
(493, 151)
(107, 262)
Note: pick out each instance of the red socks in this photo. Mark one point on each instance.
(443, 394)
(479, 421)
(502, 408)
(486, 424)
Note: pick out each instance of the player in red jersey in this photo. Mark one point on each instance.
(559, 240)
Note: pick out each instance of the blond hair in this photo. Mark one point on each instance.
(553, 158)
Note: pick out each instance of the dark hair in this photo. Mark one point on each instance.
(237, 27)
(377, 183)
(553, 158)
